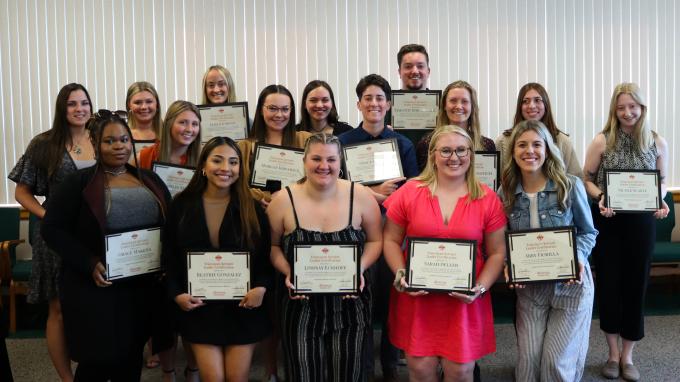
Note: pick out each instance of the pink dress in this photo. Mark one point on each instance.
(437, 324)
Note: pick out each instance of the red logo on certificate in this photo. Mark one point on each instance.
(324, 250)
(540, 237)
(441, 247)
(218, 257)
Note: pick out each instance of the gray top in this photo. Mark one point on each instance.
(81, 164)
(131, 207)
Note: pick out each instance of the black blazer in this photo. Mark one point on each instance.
(101, 324)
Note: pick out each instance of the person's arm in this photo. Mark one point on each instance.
(23, 194)
(571, 164)
(60, 222)
(662, 166)
(590, 168)
(495, 251)
(393, 236)
(583, 220)
(381, 191)
(276, 216)
(371, 223)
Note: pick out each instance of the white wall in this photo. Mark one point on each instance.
(578, 49)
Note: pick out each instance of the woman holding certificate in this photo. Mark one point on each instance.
(49, 158)
(274, 124)
(318, 113)
(323, 334)
(180, 141)
(552, 318)
(144, 114)
(533, 104)
(216, 216)
(93, 222)
(624, 247)
(444, 203)
(458, 107)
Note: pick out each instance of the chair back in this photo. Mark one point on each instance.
(9, 230)
(664, 227)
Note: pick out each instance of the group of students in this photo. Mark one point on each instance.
(84, 167)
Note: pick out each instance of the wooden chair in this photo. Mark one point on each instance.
(12, 271)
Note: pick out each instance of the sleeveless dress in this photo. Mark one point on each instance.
(323, 336)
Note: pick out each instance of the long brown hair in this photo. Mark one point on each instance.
(250, 226)
(553, 167)
(259, 131)
(49, 156)
(548, 119)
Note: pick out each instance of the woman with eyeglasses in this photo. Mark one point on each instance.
(274, 124)
(106, 322)
(445, 202)
(533, 104)
(49, 158)
(216, 212)
(144, 114)
(552, 318)
(318, 113)
(458, 107)
(323, 336)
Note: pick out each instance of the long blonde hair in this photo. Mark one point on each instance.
(165, 149)
(429, 175)
(473, 125)
(642, 135)
(553, 167)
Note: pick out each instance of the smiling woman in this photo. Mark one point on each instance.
(318, 113)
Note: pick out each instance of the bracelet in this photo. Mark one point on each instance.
(481, 289)
(397, 280)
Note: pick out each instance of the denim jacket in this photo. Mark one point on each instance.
(551, 214)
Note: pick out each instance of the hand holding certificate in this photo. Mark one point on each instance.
(539, 255)
(133, 253)
(632, 191)
(326, 269)
(276, 163)
(227, 120)
(373, 162)
(218, 275)
(441, 265)
(415, 109)
(175, 177)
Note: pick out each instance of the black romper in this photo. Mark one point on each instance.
(323, 336)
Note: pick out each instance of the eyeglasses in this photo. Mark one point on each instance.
(447, 152)
(275, 109)
(108, 114)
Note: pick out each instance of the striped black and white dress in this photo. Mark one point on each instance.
(323, 336)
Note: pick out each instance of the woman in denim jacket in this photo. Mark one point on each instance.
(553, 319)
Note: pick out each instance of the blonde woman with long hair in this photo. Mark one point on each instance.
(624, 247)
(445, 202)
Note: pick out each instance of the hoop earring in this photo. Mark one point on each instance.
(341, 174)
(203, 172)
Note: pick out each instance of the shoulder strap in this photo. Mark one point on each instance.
(351, 202)
(290, 195)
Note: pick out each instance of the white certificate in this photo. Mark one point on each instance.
(487, 168)
(441, 265)
(326, 269)
(175, 177)
(632, 190)
(133, 253)
(373, 162)
(276, 163)
(218, 275)
(545, 254)
(226, 120)
(415, 109)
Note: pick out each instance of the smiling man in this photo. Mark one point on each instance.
(414, 67)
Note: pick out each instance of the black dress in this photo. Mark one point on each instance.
(217, 323)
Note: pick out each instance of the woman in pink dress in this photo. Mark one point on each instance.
(445, 202)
